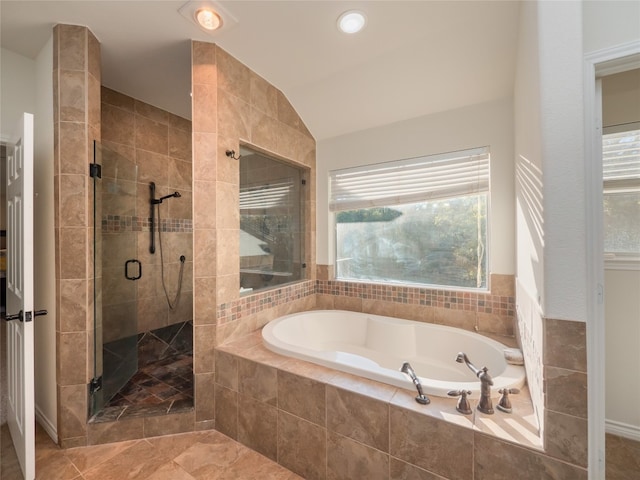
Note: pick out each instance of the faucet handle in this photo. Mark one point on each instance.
(463, 402)
(504, 404)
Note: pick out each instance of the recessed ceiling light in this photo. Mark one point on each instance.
(352, 21)
(208, 19)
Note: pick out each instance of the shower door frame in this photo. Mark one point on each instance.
(121, 194)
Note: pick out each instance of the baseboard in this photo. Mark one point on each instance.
(622, 430)
(47, 424)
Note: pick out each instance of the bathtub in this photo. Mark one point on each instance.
(374, 347)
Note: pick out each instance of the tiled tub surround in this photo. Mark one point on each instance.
(321, 423)
(491, 312)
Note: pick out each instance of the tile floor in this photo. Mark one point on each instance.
(165, 386)
(207, 455)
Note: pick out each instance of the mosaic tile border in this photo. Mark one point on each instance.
(228, 312)
(130, 223)
(453, 300)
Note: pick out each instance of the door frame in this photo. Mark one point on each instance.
(597, 64)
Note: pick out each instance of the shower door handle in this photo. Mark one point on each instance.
(127, 275)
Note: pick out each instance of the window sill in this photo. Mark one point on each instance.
(612, 262)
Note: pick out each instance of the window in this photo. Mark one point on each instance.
(420, 221)
(271, 222)
(621, 175)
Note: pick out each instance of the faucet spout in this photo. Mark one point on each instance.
(408, 370)
(486, 382)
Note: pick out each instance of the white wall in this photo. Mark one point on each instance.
(44, 243)
(530, 226)
(563, 153)
(17, 87)
(608, 23)
(475, 126)
(27, 86)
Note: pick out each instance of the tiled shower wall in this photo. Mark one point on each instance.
(76, 83)
(159, 144)
(233, 105)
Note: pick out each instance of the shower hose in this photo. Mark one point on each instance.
(172, 303)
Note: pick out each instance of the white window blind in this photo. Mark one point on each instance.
(621, 160)
(414, 180)
(265, 196)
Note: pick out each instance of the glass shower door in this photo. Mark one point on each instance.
(116, 269)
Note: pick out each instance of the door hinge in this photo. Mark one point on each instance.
(95, 385)
(95, 170)
(304, 182)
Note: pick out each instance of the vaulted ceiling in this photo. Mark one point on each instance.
(413, 58)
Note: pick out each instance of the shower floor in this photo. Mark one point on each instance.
(161, 387)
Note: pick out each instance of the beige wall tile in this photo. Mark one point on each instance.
(491, 323)
(72, 45)
(565, 344)
(152, 167)
(118, 124)
(180, 144)
(152, 113)
(203, 348)
(566, 391)
(566, 437)
(71, 100)
(73, 305)
(353, 304)
(228, 248)
(73, 205)
(168, 424)
(94, 56)
(204, 204)
(73, 253)
(226, 405)
(302, 447)
(204, 396)
(434, 445)
(358, 417)
(151, 135)
(72, 411)
(233, 76)
(227, 370)
(264, 96)
(205, 159)
(234, 116)
(204, 242)
(348, 460)
(204, 108)
(258, 426)
(204, 300)
(258, 380)
(303, 397)
(117, 99)
(399, 470)
(203, 59)
(503, 285)
(494, 457)
(72, 141)
(455, 318)
(228, 288)
(264, 131)
(119, 431)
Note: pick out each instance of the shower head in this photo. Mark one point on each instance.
(161, 199)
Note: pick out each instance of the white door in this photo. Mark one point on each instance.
(20, 374)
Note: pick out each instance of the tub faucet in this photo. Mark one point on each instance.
(484, 405)
(421, 397)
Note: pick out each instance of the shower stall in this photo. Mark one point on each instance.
(143, 346)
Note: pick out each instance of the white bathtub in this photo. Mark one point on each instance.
(374, 347)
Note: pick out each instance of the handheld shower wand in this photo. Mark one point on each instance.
(421, 397)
